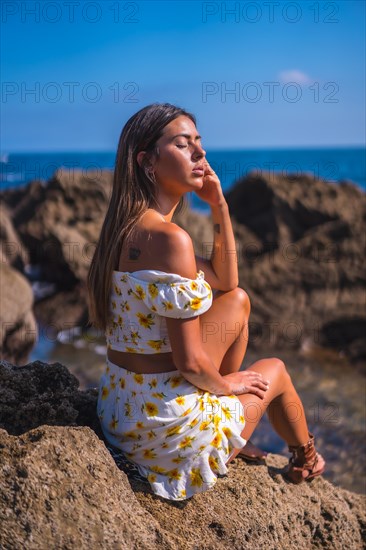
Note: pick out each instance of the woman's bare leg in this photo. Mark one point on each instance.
(227, 341)
(224, 329)
(282, 403)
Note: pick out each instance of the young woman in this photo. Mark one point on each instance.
(172, 396)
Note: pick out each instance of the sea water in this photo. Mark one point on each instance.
(331, 164)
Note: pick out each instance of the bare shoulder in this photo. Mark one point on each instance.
(175, 250)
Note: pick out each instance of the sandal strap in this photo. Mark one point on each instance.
(304, 457)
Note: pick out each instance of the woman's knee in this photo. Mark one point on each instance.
(240, 300)
(279, 369)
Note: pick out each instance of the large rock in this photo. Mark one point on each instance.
(12, 250)
(60, 223)
(18, 325)
(61, 488)
(299, 241)
(281, 209)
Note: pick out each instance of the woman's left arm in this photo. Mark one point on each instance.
(221, 271)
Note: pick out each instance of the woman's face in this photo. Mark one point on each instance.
(180, 164)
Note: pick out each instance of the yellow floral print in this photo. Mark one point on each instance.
(226, 412)
(128, 409)
(151, 478)
(151, 409)
(131, 434)
(140, 425)
(186, 442)
(117, 290)
(119, 321)
(175, 381)
(139, 292)
(173, 431)
(105, 392)
(216, 442)
(192, 297)
(122, 383)
(156, 344)
(216, 421)
(146, 321)
(131, 350)
(193, 423)
(158, 469)
(138, 378)
(113, 423)
(204, 425)
(135, 336)
(153, 383)
(187, 412)
(178, 459)
(125, 306)
(153, 290)
(149, 454)
(213, 462)
(227, 431)
(180, 400)
(196, 303)
(174, 474)
(158, 395)
(113, 384)
(196, 477)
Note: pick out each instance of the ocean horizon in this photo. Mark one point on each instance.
(334, 164)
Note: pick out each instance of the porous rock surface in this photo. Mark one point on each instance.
(60, 487)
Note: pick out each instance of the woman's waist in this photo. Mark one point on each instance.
(142, 364)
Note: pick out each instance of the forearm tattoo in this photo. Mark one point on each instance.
(134, 253)
(217, 228)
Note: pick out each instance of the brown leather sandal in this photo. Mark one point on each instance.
(304, 457)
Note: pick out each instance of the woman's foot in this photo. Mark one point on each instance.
(252, 453)
(305, 463)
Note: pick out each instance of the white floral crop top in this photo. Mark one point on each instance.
(141, 300)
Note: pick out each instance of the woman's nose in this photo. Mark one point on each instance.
(199, 151)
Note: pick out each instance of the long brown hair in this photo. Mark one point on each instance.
(134, 191)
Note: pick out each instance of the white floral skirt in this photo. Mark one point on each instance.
(179, 436)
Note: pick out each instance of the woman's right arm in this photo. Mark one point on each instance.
(177, 256)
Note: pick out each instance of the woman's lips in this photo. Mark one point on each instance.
(198, 171)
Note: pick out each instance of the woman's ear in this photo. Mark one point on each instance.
(140, 158)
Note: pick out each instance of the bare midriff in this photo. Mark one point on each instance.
(142, 364)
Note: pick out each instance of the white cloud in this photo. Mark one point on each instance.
(294, 75)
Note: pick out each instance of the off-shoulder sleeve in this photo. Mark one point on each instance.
(171, 295)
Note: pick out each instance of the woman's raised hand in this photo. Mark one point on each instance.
(247, 381)
(211, 191)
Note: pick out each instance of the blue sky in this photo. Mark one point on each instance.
(295, 70)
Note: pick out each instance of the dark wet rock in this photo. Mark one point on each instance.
(40, 393)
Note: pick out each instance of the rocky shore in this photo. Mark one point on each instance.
(300, 247)
(299, 242)
(61, 488)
